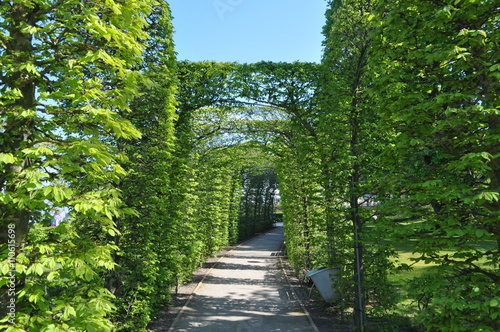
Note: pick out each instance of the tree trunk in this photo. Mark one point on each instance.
(18, 132)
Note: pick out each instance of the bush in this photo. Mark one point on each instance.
(456, 302)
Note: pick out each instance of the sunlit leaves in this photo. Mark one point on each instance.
(69, 73)
(7, 158)
(435, 71)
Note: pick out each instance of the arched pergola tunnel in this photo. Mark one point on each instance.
(236, 126)
(265, 116)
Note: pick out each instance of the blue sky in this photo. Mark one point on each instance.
(248, 30)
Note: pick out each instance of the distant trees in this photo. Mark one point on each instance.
(258, 200)
(289, 89)
(225, 164)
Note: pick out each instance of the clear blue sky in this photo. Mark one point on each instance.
(249, 30)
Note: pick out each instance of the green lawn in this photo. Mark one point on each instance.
(406, 306)
(405, 252)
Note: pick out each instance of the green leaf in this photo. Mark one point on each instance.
(69, 312)
(52, 275)
(480, 233)
(38, 151)
(36, 268)
(5, 267)
(495, 67)
(7, 158)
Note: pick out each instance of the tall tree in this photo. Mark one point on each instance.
(349, 140)
(202, 85)
(437, 71)
(66, 76)
(142, 282)
(302, 206)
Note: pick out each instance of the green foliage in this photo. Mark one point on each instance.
(146, 243)
(214, 190)
(450, 301)
(204, 185)
(63, 283)
(439, 92)
(257, 201)
(349, 119)
(302, 213)
(67, 78)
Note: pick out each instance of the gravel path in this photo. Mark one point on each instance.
(249, 287)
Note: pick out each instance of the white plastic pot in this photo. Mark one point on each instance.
(323, 279)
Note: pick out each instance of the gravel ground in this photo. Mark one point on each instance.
(320, 312)
(325, 320)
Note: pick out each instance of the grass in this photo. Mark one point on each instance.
(405, 281)
(405, 253)
(406, 306)
(420, 268)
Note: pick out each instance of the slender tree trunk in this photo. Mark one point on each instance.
(17, 134)
(19, 129)
(359, 302)
(307, 231)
